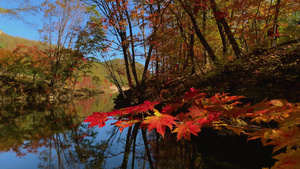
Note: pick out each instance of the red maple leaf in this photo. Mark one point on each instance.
(144, 107)
(193, 94)
(170, 108)
(125, 123)
(185, 130)
(159, 122)
(147, 105)
(208, 119)
(98, 118)
(114, 113)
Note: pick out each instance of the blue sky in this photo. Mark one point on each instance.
(15, 27)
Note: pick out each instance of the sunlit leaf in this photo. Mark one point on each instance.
(159, 122)
(185, 130)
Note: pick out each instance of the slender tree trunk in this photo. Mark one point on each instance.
(223, 38)
(133, 68)
(257, 39)
(191, 53)
(125, 54)
(219, 16)
(204, 15)
(198, 33)
(146, 66)
(275, 26)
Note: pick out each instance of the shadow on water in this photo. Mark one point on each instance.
(50, 136)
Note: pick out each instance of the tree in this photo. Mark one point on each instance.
(220, 19)
(63, 20)
(23, 60)
(186, 6)
(177, 38)
(125, 21)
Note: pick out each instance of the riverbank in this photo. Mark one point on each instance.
(19, 90)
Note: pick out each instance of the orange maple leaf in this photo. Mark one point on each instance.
(283, 137)
(288, 160)
(125, 123)
(159, 122)
(185, 130)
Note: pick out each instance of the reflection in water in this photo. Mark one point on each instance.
(152, 151)
(53, 133)
(73, 149)
(53, 136)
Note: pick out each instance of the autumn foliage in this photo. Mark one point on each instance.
(223, 112)
(24, 60)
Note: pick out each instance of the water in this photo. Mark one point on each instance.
(53, 136)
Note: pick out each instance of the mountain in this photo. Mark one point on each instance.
(98, 69)
(10, 42)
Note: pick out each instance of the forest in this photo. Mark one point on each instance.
(182, 67)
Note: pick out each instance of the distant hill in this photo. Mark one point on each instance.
(10, 42)
(97, 70)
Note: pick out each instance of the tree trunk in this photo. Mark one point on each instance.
(125, 54)
(199, 34)
(133, 68)
(275, 25)
(223, 38)
(220, 17)
(204, 15)
(191, 53)
(146, 67)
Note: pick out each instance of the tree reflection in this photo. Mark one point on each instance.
(207, 150)
(57, 135)
(53, 131)
(142, 150)
(78, 148)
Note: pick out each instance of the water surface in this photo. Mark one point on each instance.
(53, 136)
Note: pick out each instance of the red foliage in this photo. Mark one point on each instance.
(159, 122)
(222, 112)
(97, 119)
(185, 130)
